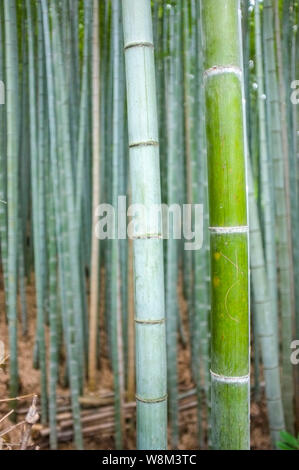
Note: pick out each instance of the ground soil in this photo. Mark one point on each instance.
(29, 380)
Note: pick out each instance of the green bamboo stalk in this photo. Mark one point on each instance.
(188, 273)
(115, 302)
(43, 153)
(70, 336)
(266, 327)
(281, 213)
(22, 281)
(83, 169)
(288, 320)
(11, 64)
(296, 145)
(53, 321)
(201, 258)
(131, 333)
(72, 267)
(267, 205)
(94, 275)
(172, 244)
(3, 163)
(36, 215)
(294, 171)
(148, 249)
(228, 220)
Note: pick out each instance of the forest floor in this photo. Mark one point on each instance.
(29, 384)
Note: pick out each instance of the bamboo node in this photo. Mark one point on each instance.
(147, 236)
(150, 322)
(145, 143)
(226, 379)
(151, 400)
(239, 229)
(138, 44)
(222, 69)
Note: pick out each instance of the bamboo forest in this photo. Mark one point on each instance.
(149, 225)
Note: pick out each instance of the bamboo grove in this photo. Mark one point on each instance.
(153, 102)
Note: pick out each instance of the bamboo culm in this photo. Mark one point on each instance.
(151, 374)
(228, 220)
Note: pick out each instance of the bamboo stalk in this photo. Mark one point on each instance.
(172, 244)
(94, 274)
(228, 220)
(54, 164)
(36, 215)
(11, 64)
(148, 248)
(267, 204)
(281, 212)
(288, 315)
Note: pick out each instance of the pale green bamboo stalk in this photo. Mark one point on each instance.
(83, 169)
(148, 248)
(53, 321)
(58, 222)
(12, 99)
(34, 157)
(281, 213)
(267, 205)
(201, 258)
(172, 244)
(43, 153)
(67, 185)
(22, 281)
(96, 195)
(266, 327)
(3, 162)
(228, 221)
(115, 301)
(188, 270)
(94, 272)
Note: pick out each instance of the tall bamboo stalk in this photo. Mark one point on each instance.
(36, 215)
(94, 274)
(282, 224)
(62, 255)
(289, 273)
(148, 247)
(228, 220)
(115, 302)
(267, 204)
(266, 327)
(11, 64)
(3, 163)
(172, 244)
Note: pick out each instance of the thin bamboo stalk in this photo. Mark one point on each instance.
(287, 324)
(36, 215)
(12, 95)
(283, 253)
(115, 302)
(172, 244)
(267, 204)
(3, 162)
(94, 274)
